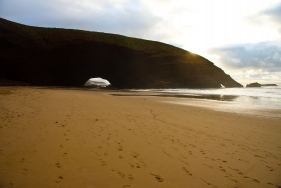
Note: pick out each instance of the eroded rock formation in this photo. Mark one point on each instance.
(64, 57)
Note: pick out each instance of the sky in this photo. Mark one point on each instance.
(243, 37)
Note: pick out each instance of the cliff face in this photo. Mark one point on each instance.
(63, 57)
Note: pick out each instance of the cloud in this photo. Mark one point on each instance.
(270, 18)
(263, 55)
(256, 62)
(266, 56)
(274, 14)
(113, 16)
(192, 25)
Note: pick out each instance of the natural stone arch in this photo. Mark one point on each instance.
(97, 82)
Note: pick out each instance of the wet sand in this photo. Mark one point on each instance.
(75, 138)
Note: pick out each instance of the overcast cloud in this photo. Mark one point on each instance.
(274, 15)
(120, 17)
(264, 56)
(242, 36)
(257, 61)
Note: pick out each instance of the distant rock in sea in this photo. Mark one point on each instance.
(67, 57)
(269, 85)
(256, 84)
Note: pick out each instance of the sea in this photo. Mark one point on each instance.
(264, 101)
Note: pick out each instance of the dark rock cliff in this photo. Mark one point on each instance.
(64, 57)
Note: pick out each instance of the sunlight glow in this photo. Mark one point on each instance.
(214, 23)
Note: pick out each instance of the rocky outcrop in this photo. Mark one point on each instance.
(269, 85)
(256, 84)
(64, 57)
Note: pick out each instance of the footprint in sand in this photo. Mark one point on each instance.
(183, 156)
(188, 173)
(120, 148)
(222, 169)
(257, 181)
(58, 165)
(238, 172)
(143, 163)
(270, 168)
(135, 155)
(167, 154)
(130, 177)
(158, 178)
(231, 179)
(202, 151)
(121, 174)
(276, 185)
(103, 163)
(184, 162)
(24, 171)
(259, 156)
(209, 166)
(207, 182)
(59, 179)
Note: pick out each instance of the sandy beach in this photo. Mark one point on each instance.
(75, 138)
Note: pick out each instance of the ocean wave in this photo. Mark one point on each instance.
(268, 92)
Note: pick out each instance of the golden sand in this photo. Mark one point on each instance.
(74, 138)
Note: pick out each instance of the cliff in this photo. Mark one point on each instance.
(65, 57)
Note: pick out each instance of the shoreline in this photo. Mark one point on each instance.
(77, 138)
(230, 104)
(238, 102)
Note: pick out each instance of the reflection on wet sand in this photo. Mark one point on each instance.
(209, 97)
(257, 106)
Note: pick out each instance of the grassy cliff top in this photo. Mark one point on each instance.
(55, 35)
